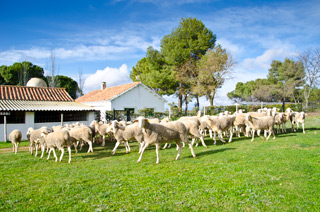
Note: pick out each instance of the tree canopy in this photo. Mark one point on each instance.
(283, 82)
(173, 69)
(20, 73)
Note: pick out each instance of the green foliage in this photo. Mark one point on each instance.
(69, 84)
(284, 81)
(214, 68)
(20, 73)
(275, 175)
(154, 72)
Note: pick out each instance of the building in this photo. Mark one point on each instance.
(22, 107)
(128, 97)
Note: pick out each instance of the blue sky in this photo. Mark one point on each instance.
(105, 39)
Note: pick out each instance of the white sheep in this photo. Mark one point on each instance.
(102, 130)
(193, 129)
(261, 123)
(57, 139)
(126, 134)
(35, 139)
(219, 125)
(15, 138)
(81, 134)
(163, 133)
(296, 117)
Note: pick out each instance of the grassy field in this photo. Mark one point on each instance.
(277, 175)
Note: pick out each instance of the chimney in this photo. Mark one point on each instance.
(103, 85)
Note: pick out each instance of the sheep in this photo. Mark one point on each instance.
(102, 129)
(35, 139)
(193, 129)
(163, 133)
(220, 125)
(15, 138)
(286, 118)
(260, 123)
(126, 134)
(239, 123)
(278, 120)
(296, 117)
(82, 134)
(57, 139)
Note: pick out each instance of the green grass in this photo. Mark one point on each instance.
(277, 175)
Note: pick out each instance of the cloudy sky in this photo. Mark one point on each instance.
(105, 39)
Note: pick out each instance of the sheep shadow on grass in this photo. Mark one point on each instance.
(210, 152)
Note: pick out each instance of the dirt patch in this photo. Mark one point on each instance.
(6, 150)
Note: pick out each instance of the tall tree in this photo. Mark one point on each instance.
(52, 79)
(286, 77)
(214, 69)
(20, 73)
(154, 72)
(191, 39)
(311, 63)
(69, 84)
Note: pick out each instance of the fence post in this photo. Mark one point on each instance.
(61, 119)
(5, 128)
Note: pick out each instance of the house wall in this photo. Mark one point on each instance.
(138, 98)
(29, 122)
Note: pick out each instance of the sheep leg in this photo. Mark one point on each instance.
(13, 147)
(49, 154)
(69, 151)
(141, 146)
(128, 146)
(144, 147)
(221, 137)
(253, 132)
(75, 147)
(90, 146)
(179, 146)
(202, 141)
(165, 146)
(210, 133)
(54, 154)
(157, 152)
(303, 128)
(115, 147)
(16, 148)
(42, 151)
(192, 142)
(214, 138)
(103, 140)
(297, 126)
(36, 150)
(62, 152)
(231, 134)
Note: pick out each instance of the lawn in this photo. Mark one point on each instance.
(276, 175)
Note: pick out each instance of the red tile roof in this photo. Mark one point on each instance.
(106, 94)
(13, 92)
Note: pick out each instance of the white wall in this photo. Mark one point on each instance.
(138, 98)
(29, 122)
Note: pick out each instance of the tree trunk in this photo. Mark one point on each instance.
(186, 104)
(180, 96)
(198, 103)
(210, 100)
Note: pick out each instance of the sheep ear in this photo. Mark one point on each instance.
(136, 120)
(148, 120)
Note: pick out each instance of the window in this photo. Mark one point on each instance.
(55, 116)
(15, 117)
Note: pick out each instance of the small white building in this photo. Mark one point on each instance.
(128, 97)
(22, 107)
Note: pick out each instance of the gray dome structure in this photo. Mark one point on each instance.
(36, 82)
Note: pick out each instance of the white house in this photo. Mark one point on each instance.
(22, 107)
(133, 96)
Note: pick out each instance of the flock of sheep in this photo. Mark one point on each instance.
(154, 131)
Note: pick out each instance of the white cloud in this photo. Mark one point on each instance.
(112, 76)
